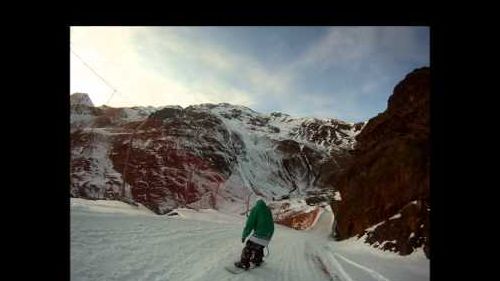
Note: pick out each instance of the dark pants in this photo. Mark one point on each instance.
(252, 252)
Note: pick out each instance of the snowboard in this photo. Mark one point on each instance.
(237, 270)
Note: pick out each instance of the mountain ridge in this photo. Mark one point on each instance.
(213, 152)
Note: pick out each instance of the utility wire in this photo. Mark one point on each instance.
(97, 74)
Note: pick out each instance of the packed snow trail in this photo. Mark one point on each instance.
(122, 243)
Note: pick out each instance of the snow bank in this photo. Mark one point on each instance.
(209, 215)
(108, 206)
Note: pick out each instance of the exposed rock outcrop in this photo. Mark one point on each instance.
(202, 156)
(388, 170)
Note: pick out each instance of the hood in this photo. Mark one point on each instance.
(260, 203)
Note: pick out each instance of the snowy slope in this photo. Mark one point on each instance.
(201, 156)
(261, 164)
(281, 126)
(113, 241)
(243, 153)
(92, 169)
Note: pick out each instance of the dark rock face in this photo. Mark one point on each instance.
(328, 132)
(299, 162)
(389, 169)
(405, 232)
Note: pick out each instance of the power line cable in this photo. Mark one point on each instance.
(98, 75)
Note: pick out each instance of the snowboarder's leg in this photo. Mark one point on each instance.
(246, 256)
(258, 254)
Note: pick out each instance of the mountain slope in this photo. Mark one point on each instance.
(110, 241)
(203, 156)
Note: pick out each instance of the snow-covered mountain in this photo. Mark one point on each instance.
(81, 99)
(223, 156)
(202, 156)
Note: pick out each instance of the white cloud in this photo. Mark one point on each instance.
(338, 46)
(113, 53)
(217, 58)
(351, 46)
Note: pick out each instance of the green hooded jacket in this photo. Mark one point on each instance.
(260, 221)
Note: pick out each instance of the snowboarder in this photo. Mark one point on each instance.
(261, 222)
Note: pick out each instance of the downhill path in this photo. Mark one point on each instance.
(120, 244)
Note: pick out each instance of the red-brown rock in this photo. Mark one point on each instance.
(389, 169)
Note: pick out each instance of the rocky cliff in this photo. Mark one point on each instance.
(383, 186)
(201, 156)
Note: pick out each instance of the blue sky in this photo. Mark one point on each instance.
(346, 73)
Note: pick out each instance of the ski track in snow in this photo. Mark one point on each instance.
(120, 246)
(372, 272)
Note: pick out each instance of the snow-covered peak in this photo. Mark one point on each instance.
(81, 99)
(139, 113)
(224, 109)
